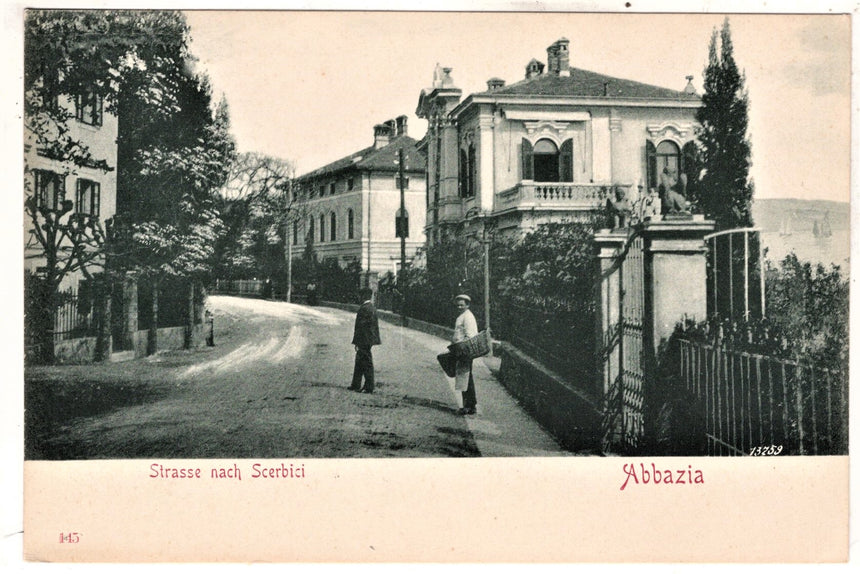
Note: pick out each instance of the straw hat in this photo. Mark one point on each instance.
(464, 297)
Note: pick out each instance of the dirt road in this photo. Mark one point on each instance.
(273, 386)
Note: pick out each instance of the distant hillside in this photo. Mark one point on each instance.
(799, 214)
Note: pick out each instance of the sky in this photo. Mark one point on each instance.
(310, 86)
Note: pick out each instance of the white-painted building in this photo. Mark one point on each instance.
(349, 206)
(86, 192)
(549, 147)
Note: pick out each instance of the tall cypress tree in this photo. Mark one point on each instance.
(725, 187)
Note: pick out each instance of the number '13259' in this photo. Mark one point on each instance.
(771, 450)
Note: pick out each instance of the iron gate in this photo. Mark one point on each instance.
(623, 349)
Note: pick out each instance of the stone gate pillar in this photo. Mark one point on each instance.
(609, 244)
(129, 313)
(675, 274)
(649, 279)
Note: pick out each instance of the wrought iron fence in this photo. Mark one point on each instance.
(73, 317)
(735, 274)
(755, 404)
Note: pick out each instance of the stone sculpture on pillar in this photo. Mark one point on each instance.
(619, 208)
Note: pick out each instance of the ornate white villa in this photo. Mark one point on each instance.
(549, 147)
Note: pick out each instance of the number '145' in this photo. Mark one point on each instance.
(70, 537)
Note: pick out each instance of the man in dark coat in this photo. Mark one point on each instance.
(366, 335)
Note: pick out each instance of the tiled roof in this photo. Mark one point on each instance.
(375, 159)
(583, 83)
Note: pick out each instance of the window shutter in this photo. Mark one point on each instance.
(61, 190)
(38, 190)
(528, 160)
(79, 197)
(565, 161)
(98, 111)
(97, 196)
(651, 163)
(473, 172)
(464, 170)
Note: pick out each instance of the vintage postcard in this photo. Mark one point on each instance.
(434, 286)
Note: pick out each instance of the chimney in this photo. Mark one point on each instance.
(563, 55)
(552, 59)
(558, 58)
(690, 89)
(381, 135)
(494, 84)
(400, 123)
(534, 68)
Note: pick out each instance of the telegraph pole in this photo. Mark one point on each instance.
(289, 236)
(486, 244)
(401, 224)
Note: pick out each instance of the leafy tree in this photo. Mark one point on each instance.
(725, 190)
(68, 54)
(808, 304)
(258, 209)
(171, 166)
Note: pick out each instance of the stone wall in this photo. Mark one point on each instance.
(79, 351)
(569, 414)
(169, 339)
(409, 322)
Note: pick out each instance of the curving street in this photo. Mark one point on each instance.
(274, 386)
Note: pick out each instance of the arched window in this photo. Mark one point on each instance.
(322, 228)
(350, 224)
(545, 162)
(310, 236)
(468, 172)
(664, 163)
(295, 232)
(333, 230)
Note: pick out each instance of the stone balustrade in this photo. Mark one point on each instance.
(563, 195)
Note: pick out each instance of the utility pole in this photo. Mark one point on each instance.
(401, 225)
(486, 244)
(289, 237)
(289, 254)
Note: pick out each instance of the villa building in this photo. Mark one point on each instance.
(550, 147)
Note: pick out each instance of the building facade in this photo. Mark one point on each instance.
(59, 187)
(349, 207)
(553, 146)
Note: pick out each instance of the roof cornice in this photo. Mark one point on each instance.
(474, 99)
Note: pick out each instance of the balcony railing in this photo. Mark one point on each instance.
(555, 195)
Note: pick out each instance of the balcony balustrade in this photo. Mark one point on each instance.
(577, 196)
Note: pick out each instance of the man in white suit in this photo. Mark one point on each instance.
(465, 327)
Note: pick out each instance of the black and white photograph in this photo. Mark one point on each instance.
(274, 237)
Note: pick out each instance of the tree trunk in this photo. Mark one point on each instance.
(41, 309)
(103, 340)
(152, 339)
(189, 327)
(51, 296)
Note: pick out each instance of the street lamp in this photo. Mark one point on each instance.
(476, 213)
